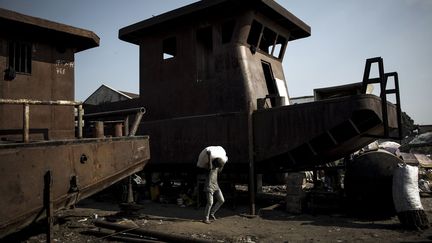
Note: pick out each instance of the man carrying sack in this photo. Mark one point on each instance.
(212, 158)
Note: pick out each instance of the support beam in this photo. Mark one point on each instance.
(251, 187)
(26, 122)
(48, 204)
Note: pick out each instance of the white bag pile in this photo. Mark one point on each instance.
(406, 198)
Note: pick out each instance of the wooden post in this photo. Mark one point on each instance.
(80, 120)
(48, 204)
(26, 122)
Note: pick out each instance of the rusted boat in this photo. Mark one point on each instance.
(46, 164)
(78, 167)
(211, 74)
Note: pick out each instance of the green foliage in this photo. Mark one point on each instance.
(408, 128)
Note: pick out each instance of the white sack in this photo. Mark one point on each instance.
(215, 152)
(390, 146)
(406, 195)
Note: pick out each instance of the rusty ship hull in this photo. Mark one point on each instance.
(78, 169)
(283, 138)
(304, 135)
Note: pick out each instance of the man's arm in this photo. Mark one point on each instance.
(209, 160)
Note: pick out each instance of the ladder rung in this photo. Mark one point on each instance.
(391, 91)
(374, 59)
(372, 81)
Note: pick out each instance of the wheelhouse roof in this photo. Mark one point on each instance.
(25, 25)
(270, 8)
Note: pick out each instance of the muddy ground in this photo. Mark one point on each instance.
(273, 223)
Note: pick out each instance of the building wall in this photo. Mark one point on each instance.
(51, 78)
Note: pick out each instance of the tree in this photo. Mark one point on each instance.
(409, 129)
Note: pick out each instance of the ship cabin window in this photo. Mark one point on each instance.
(277, 49)
(227, 31)
(20, 56)
(169, 48)
(254, 33)
(266, 39)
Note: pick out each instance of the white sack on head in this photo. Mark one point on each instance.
(215, 152)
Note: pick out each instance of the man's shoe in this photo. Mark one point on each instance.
(206, 221)
(213, 216)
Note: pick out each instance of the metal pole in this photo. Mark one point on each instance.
(99, 129)
(26, 122)
(136, 123)
(49, 206)
(383, 95)
(80, 120)
(118, 130)
(39, 102)
(115, 113)
(130, 198)
(251, 187)
(126, 125)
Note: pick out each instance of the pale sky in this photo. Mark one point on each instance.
(344, 34)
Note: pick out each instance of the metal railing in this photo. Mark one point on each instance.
(26, 112)
(382, 80)
(125, 113)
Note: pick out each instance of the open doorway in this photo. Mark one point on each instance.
(270, 82)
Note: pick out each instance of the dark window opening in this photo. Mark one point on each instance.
(227, 31)
(268, 40)
(20, 56)
(169, 48)
(205, 38)
(254, 33)
(270, 82)
(278, 47)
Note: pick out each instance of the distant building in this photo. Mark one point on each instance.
(301, 99)
(37, 62)
(424, 128)
(105, 94)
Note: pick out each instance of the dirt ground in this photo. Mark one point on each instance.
(272, 224)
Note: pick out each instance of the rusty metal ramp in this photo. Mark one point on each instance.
(301, 136)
